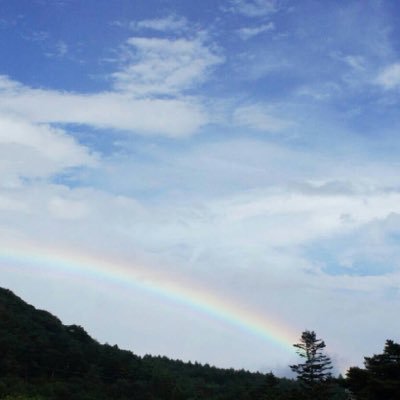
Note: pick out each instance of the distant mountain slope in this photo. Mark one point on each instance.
(44, 359)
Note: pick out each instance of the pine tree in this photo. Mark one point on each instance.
(381, 377)
(316, 368)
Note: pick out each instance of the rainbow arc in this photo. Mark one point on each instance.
(136, 277)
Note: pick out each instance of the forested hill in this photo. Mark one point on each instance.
(43, 359)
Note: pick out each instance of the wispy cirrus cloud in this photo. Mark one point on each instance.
(260, 118)
(355, 62)
(253, 8)
(249, 32)
(170, 23)
(389, 77)
(154, 66)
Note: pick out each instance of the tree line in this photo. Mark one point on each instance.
(378, 380)
(41, 359)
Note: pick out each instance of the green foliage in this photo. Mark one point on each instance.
(381, 377)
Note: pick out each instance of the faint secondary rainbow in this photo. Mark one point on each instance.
(129, 276)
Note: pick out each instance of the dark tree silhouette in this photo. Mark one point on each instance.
(317, 365)
(314, 372)
(381, 377)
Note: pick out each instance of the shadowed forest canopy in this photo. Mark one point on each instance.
(380, 379)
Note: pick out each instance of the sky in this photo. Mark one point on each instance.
(245, 152)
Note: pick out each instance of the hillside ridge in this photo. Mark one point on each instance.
(42, 357)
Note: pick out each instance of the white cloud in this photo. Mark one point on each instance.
(357, 62)
(9, 84)
(34, 150)
(153, 81)
(171, 23)
(389, 77)
(253, 8)
(320, 92)
(9, 204)
(36, 36)
(175, 117)
(72, 209)
(354, 61)
(288, 218)
(164, 66)
(150, 93)
(61, 48)
(259, 117)
(247, 33)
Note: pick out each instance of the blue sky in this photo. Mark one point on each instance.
(250, 146)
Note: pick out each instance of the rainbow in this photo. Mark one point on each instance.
(131, 277)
